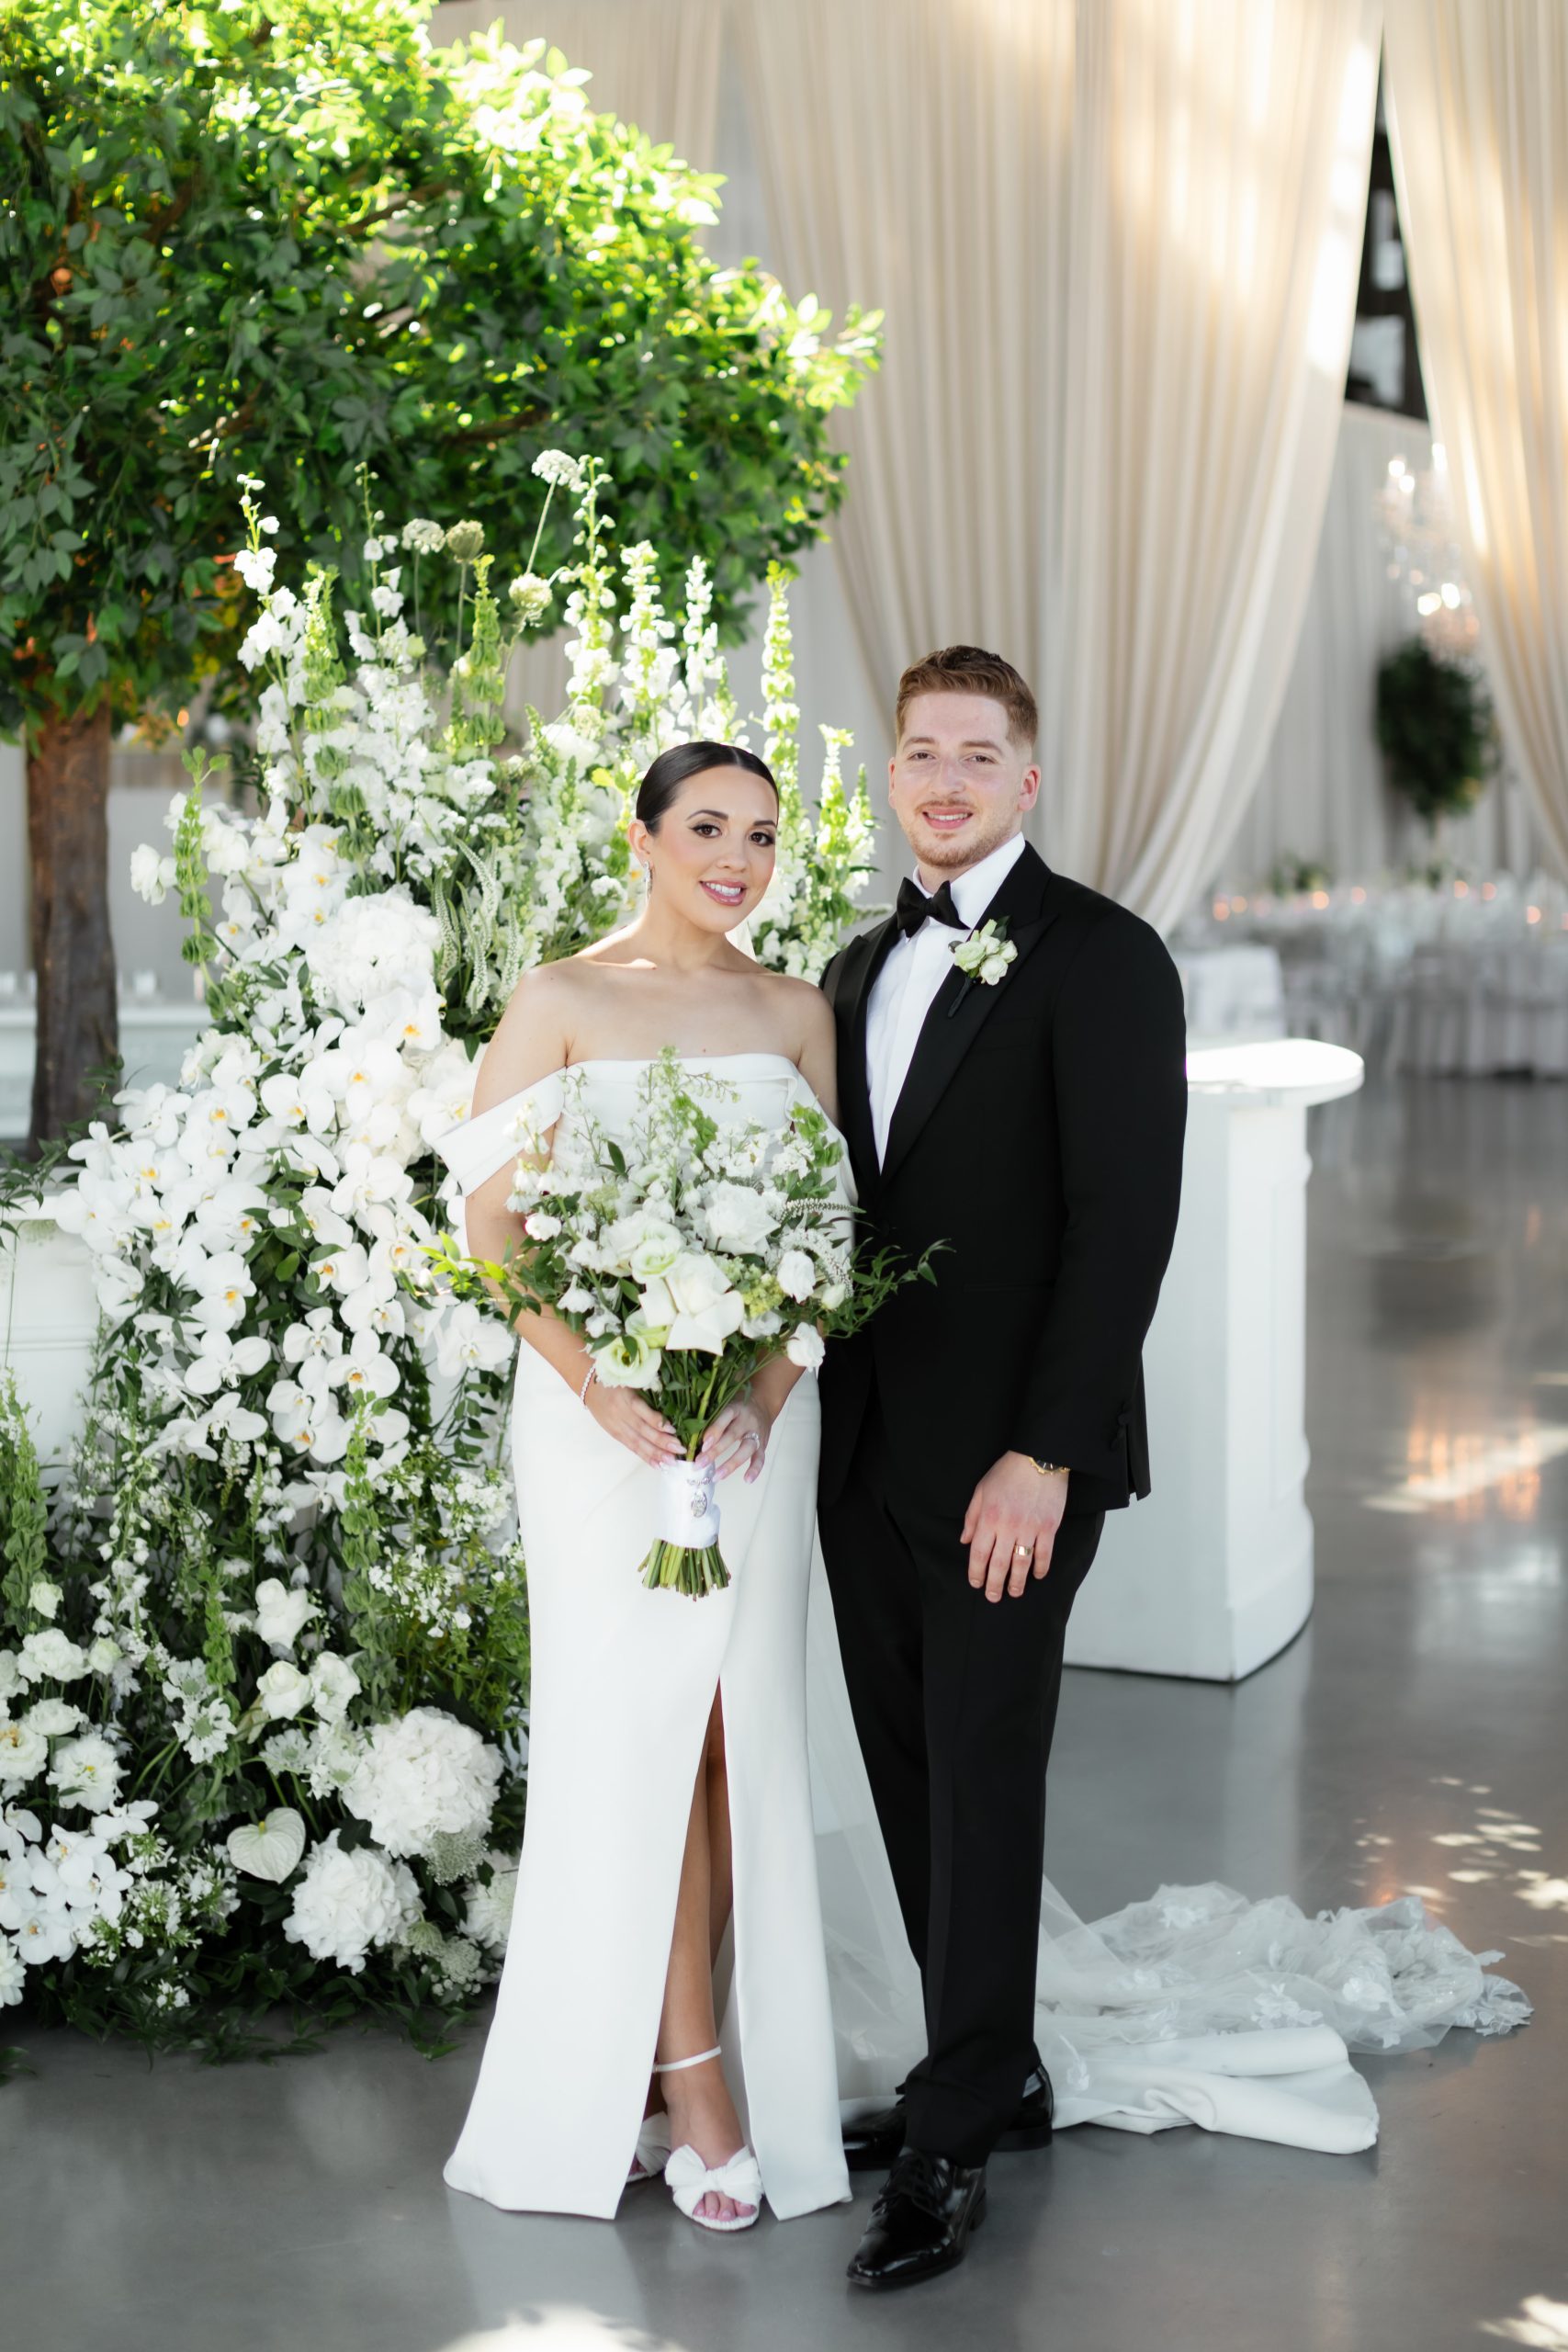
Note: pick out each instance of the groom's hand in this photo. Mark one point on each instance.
(1012, 1525)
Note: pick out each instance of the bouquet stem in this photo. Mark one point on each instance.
(685, 1556)
(678, 1568)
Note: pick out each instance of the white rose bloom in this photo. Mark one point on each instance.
(805, 1346)
(346, 1903)
(422, 1772)
(282, 1610)
(23, 1751)
(796, 1273)
(736, 1217)
(86, 1771)
(706, 1309)
(282, 1689)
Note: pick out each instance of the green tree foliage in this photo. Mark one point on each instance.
(285, 239)
(1435, 731)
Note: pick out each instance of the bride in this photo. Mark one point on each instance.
(665, 1988)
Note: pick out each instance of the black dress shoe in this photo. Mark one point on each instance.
(871, 2144)
(921, 2221)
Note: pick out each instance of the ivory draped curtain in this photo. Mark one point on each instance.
(1119, 259)
(1478, 108)
(654, 62)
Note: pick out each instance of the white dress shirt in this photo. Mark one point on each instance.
(912, 972)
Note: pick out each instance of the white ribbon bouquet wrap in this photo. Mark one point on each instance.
(688, 1252)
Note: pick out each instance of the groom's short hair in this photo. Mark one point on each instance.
(970, 670)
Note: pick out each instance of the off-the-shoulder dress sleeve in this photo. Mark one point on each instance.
(478, 1147)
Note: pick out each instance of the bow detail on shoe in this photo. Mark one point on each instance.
(689, 2179)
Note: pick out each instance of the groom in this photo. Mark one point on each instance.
(1023, 1102)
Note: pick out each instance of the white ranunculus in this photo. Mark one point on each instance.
(51, 1653)
(419, 1773)
(53, 1716)
(86, 1771)
(796, 1273)
(282, 1611)
(23, 1751)
(805, 1346)
(738, 1217)
(347, 1903)
(282, 1689)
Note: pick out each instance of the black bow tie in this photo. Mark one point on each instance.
(914, 907)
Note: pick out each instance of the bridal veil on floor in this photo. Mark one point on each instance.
(1194, 2006)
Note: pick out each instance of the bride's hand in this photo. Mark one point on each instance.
(622, 1413)
(738, 1439)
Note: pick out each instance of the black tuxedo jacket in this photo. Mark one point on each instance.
(1039, 1134)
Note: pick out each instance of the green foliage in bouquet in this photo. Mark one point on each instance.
(263, 1654)
(1435, 731)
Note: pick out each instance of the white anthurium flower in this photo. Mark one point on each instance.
(283, 1611)
(363, 1371)
(805, 1346)
(269, 1848)
(282, 1691)
(736, 1217)
(796, 1273)
(222, 1360)
(313, 1345)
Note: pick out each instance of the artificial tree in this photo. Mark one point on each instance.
(290, 240)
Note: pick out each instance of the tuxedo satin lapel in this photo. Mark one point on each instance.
(854, 1089)
(961, 1009)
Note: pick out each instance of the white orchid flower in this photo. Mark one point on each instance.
(363, 1371)
(313, 1345)
(221, 1362)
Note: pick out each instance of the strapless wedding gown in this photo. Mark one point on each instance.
(1195, 2006)
(623, 1685)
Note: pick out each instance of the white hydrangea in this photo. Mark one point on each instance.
(421, 1773)
(347, 1903)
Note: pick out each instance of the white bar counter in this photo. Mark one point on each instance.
(1213, 1574)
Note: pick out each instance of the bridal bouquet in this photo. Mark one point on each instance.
(688, 1251)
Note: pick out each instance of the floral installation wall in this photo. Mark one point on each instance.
(264, 1653)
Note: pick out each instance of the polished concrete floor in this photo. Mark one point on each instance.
(1412, 1736)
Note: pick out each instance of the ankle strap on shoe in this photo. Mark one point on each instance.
(677, 2065)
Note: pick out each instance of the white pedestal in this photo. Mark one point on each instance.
(48, 1319)
(1212, 1575)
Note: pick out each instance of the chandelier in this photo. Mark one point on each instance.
(1415, 518)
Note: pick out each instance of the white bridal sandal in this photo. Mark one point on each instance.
(691, 2179)
(652, 2148)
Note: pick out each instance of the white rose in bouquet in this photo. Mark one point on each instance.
(707, 1308)
(282, 1689)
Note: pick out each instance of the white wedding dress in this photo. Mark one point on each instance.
(1196, 2007)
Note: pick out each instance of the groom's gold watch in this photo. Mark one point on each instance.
(1050, 1469)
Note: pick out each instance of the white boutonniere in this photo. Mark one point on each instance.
(986, 954)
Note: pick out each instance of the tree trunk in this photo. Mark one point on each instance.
(78, 1026)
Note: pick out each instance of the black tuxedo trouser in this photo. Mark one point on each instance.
(955, 1700)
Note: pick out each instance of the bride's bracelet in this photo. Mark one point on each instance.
(588, 1375)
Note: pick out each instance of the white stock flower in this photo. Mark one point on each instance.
(347, 1903)
(422, 1772)
(738, 1217)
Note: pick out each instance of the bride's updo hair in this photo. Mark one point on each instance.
(676, 766)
